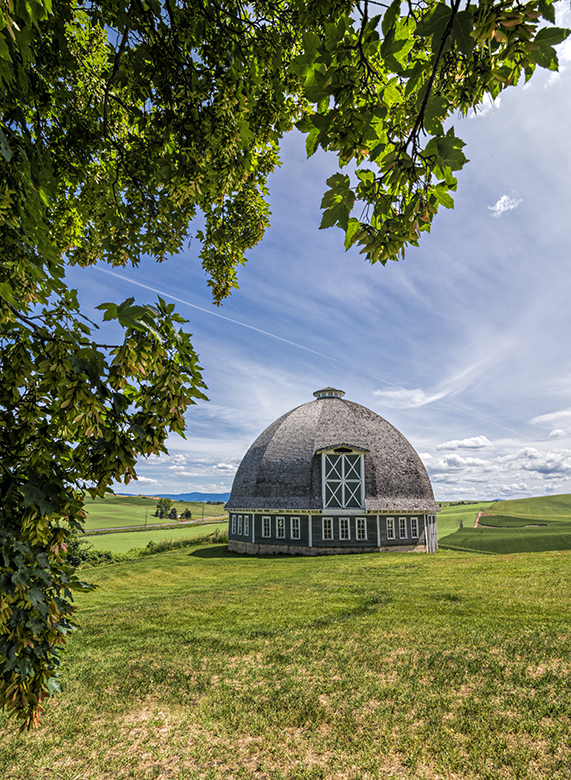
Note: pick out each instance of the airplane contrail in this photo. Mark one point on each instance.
(295, 344)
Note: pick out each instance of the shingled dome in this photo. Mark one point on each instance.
(331, 457)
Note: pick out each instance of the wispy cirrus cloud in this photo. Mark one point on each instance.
(401, 398)
(553, 418)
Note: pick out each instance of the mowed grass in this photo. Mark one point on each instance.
(122, 511)
(209, 665)
(123, 542)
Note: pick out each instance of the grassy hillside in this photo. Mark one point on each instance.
(448, 520)
(522, 525)
(540, 506)
(118, 511)
(209, 666)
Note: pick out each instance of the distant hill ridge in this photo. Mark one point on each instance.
(190, 496)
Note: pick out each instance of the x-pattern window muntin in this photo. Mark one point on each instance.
(343, 483)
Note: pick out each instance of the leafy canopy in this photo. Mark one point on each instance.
(123, 119)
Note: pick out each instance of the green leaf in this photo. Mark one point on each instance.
(336, 215)
(390, 16)
(435, 22)
(435, 112)
(352, 227)
(443, 197)
(461, 32)
(547, 10)
(551, 35)
(5, 149)
(6, 293)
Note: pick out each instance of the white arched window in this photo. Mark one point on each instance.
(342, 472)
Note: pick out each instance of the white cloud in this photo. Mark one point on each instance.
(510, 490)
(553, 463)
(399, 398)
(148, 481)
(473, 443)
(562, 416)
(453, 462)
(556, 433)
(505, 203)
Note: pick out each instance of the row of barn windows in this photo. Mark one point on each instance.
(241, 527)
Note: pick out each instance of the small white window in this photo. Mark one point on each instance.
(280, 527)
(266, 528)
(390, 528)
(414, 527)
(233, 524)
(402, 527)
(361, 528)
(294, 523)
(327, 528)
(344, 530)
(239, 525)
(246, 525)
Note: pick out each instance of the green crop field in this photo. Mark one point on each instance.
(520, 525)
(123, 542)
(204, 665)
(448, 520)
(121, 511)
(542, 506)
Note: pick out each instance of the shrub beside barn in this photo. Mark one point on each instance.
(328, 477)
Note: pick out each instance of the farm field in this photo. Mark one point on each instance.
(448, 519)
(519, 525)
(120, 511)
(123, 542)
(206, 665)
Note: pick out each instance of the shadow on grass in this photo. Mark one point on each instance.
(216, 551)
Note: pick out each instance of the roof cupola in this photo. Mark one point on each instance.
(329, 392)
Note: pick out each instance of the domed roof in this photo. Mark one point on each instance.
(282, 468)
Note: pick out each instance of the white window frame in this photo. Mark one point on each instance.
(344, 529)
(246, 525)
(280, 527)
(329, 521)
(390, 528)
(414, 527)
(233, 524)
(402, 528)
(239, 525)
(361, 534)
(295, 528)
(266, 527)
(337, 464)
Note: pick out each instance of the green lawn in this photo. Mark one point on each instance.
(206, 665)
(123, 542)
(119, 511)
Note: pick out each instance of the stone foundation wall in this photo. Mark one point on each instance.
(247, 548)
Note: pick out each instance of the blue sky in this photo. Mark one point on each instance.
(463, 346)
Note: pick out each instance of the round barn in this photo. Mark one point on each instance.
(331, 476)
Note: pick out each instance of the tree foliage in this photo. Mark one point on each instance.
(123, 119)
(164, 506)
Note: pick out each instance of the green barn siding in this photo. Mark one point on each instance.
(316, 536)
